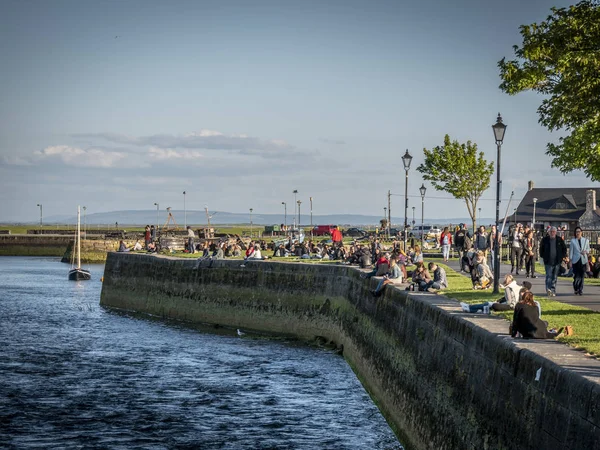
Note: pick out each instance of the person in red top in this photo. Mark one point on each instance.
(336, 236)
(446, 243)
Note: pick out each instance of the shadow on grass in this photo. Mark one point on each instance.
(568, 312)
(473, 295)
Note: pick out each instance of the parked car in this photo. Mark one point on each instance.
(430, 231)
(355, 232)
(323, 230)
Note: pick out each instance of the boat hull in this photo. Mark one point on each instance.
(79, 274)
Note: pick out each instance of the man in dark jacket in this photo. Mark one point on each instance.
(552, 250)
(480, 240)
(461, 238)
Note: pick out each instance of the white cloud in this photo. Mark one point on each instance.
(160, 154)
(152, 181)
(15, 161)
(74, 156)
(203, 139)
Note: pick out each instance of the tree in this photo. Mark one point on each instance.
(457, 169)
(560, 59)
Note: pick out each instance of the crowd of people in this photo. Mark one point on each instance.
(573, 259)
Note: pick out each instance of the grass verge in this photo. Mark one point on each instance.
(585, 322)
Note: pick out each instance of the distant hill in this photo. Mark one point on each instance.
(143, 217)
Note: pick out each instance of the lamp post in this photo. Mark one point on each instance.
(413, 222)
(299, 203)
(385, 215)
(499, 130)
(284, 214)
(41, 215)
(311, 224)
(295, 192)
(184, 212)
(479, 217)
(251, 223)
(84, 224)
(406, 160)
(533, 220)
(422, 189)
(157, 208)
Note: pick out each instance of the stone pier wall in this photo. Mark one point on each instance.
(443, 379)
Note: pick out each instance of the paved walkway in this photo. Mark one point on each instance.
(564, 288)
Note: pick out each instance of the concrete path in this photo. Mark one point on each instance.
(564, 288)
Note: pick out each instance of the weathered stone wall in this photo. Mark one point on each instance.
(26, 245)
(443, 379)
(92, 250)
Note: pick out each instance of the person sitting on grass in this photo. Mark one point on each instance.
(512, 295)
(382, 266)
(122, 247)
(137, 246)
(417, 255)
(420, 276)
(527, 322)
(152, 247)
(252, 252)
(483, 277)
(394, 275)
(439, 279)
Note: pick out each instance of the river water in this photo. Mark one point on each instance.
(76, 375)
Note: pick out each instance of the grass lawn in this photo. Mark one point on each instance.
(585, 322)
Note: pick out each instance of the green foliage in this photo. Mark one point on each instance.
(459, 170)
(560, 58)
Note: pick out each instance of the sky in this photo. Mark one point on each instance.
(117, 105)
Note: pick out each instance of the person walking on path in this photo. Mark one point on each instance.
(530, 251)
(446, 242)
(191, 235)
(462, 241)
(480, 240)
(552, 251)
(516, 248)
(579, 249)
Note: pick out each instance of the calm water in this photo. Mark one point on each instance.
(74, 375)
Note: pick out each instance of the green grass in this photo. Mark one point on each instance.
(585, 322)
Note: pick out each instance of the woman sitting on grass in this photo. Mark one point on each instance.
(511, 297)
(394, 275)
(527, 322)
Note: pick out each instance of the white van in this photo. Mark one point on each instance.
(430, 231)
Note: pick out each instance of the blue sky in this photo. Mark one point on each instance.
(117, 105)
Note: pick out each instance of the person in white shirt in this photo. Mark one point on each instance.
(579, 251)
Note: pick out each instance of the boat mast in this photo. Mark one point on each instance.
(78, 238)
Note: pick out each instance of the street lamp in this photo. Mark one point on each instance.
(406, 160)
(184, 212)
(84, 223)
(413, 222)
(422, 189)
(295, 192)
(499, 130)
(385, 214)
(479, 217)
(157, 208)
(41, 215)
(533, 220)
(251, 223)
(299, 203)
(284, 214)
(311, 224)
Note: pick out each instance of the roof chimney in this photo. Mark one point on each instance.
(530, 185)
(590, 200)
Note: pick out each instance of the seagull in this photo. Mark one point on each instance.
(240, 333)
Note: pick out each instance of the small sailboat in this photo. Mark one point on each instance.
(77, 273)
